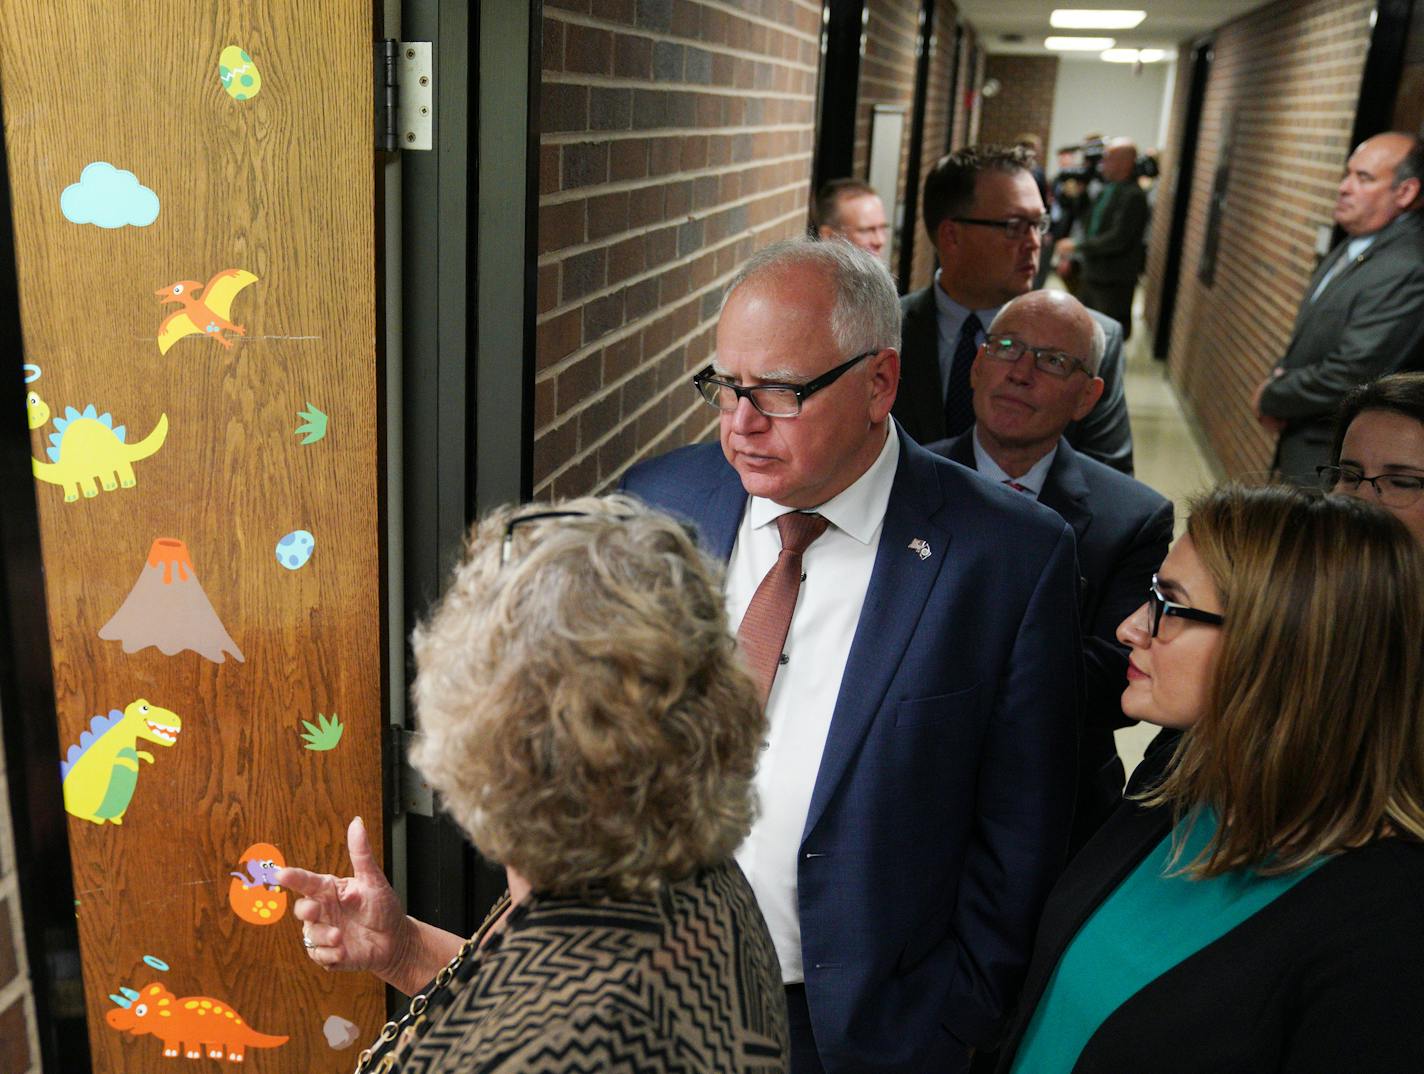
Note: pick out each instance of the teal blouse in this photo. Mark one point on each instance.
(1149, 924)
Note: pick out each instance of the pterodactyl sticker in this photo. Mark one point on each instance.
(206, 314)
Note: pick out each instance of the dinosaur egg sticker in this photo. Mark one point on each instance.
(295, 549)
(253, 893)
(239, 75)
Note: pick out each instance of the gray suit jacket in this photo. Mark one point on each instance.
(919, 408)
(1115, 254)
(1368, 321)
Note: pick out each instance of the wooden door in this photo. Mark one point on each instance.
(194, 207)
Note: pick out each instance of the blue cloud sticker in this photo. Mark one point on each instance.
(108, 197)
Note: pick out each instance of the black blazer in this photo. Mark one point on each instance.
(1115, 254)
(1123, 529)
(1325, 980)
(1105, 433)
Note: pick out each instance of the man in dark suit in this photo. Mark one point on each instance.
(985, 216)
(1110, 249)
(922, 698)
(1363, 311)
(1025, 395)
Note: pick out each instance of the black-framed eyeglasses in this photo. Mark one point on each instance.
(1045, 359)
(507, 547)
(1016, 227)
(1159, 607)
(1391, 490)
(773, 400)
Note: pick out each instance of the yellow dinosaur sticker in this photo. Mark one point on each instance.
(88, 451)
(100, 772)
(205, 308)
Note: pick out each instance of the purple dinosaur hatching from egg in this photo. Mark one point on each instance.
(259, 873)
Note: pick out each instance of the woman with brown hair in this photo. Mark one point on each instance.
(586, 719)
(1257, 904)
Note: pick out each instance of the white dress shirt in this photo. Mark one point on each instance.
(837, 569)
(1033, 480)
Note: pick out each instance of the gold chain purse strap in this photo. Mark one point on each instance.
(382, 1056)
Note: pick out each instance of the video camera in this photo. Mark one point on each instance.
(1091, 152)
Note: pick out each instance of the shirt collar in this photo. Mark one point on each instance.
(859, 509)
(1033, 480)
(949, 308)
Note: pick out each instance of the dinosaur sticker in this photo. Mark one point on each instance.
(206, 315)
(193, 1026)
(88, 451)
(168, 608)
(255, 895)
(238, 74)
(108, 197)
(101, 771)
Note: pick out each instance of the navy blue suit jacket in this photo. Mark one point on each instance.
(939, 817)
(1123, 529)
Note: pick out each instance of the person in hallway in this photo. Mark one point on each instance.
(586, 718)
(1111, 249)
(1254, 905)
(985, 217)
(1363, 310)
(1034, 375)
(922, 697)
(850, 209)
(1378, 454)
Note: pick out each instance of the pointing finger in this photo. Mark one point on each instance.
(358, 845)
(305, 883)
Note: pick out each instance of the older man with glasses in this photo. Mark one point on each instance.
(914, 632)
(1036, 373)
(985, 216)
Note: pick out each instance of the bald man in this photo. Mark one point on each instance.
(1111, 250)
(1363, 312)
(1034, 375)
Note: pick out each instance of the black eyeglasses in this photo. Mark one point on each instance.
(773, 400)
(1159, 607)
(1391, 490)
(507, 547)
(1015, 227)
(1045, 359)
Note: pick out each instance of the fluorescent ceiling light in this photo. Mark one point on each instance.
(1070, 18)
(1078, 44)
(1133, 55)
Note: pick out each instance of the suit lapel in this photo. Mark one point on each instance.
(720, 514)
(1066, 491)
(900, 583)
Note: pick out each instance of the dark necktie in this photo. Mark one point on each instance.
(768, 617)
(959, 396)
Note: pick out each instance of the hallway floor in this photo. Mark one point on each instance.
(1166, 455)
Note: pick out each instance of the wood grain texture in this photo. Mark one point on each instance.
(281, 185)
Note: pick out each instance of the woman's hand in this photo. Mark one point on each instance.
(351, 922)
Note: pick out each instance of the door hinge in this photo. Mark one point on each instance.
(405, 95)
(406, 789)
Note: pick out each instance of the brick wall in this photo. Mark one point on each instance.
(887, 77)
(1166, 191)
(1024, 102)
(676, 138)
(1290, 73)
(939, 105)
(19, 1051)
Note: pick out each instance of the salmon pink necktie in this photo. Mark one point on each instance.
(768, 617)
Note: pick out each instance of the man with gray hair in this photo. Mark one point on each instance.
(913, 629)
(1035, 373)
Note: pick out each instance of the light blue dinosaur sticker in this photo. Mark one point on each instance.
(108, 197)
(295, 549)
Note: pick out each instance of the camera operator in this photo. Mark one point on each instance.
(1110, 252)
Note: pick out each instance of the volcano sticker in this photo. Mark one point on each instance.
(168, 608)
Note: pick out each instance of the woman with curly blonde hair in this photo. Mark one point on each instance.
(585, 718)
(1257, 904)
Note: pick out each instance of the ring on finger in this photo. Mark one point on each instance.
(307, 942)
